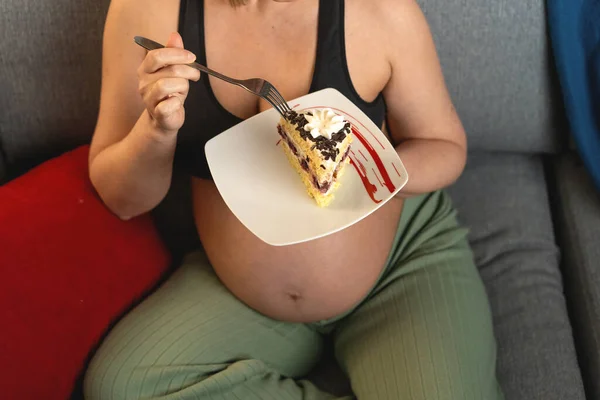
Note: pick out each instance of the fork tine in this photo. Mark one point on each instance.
(279, 97)
(278, 106)
(285, 103)
(275, 105)
(276, 94)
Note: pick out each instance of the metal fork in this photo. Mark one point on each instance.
(256, 86)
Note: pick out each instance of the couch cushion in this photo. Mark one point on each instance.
(503, 200)
(68, 268)
(50, 79)
(578, 209)
(496, 62)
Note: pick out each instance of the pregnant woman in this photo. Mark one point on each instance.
(398, 292)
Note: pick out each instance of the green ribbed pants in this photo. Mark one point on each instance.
(424, 332)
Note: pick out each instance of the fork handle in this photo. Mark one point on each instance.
(149, 44)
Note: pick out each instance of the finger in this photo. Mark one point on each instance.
(148, 81)
(175, 71)
(163, 88)
(180, 96)
(157, 59)
(167, 108)
(175, 40)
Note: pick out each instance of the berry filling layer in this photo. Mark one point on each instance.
(323, 187)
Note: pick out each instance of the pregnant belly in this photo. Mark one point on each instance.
(306, 282)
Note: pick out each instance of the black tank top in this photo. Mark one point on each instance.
(206, 117)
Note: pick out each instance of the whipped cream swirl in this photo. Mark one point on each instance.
(324, 122)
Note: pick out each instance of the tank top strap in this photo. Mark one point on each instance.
(330, 41)
(331, 65)
(191, 27)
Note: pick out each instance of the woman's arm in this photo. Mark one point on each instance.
(141, 106)
(421, 118)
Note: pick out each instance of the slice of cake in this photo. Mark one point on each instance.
(317, 143)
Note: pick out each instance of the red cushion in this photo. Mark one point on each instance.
(68, 267)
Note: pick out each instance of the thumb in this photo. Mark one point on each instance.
(175, 40)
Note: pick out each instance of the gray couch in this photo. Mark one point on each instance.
(533, 214)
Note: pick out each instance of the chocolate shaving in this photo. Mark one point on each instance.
(327, 147)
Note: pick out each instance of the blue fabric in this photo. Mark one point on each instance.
(575, 35)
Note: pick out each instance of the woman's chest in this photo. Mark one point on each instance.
(295, 53)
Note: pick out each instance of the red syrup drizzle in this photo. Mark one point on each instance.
(394, 165)
(371, 189)
(384, 174)
(376, 176)
(277, 144)
(361, 153)
(362, 167)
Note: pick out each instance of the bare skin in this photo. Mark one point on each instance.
(143, 107)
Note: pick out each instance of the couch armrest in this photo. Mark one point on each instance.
(578, 230)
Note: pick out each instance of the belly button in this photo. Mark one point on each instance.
(294, 296)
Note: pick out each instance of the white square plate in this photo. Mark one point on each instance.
(266, 194)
